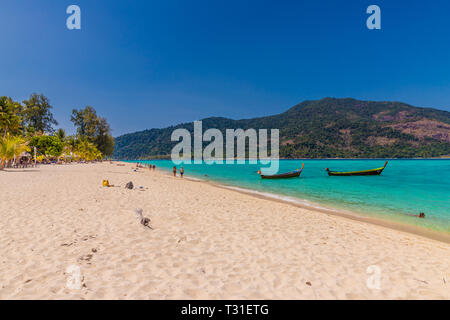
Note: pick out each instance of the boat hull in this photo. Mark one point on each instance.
(288, 175)
(371, 172)
(368, 173)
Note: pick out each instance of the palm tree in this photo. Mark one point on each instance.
(20, 146)
(86, 150)
(10, 120)
(11, 148)
(70, 146)
(6, 150)
(61, 134)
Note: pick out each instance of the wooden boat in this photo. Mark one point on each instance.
(291, 174)
(371, 172)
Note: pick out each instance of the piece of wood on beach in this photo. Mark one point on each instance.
(144, 220)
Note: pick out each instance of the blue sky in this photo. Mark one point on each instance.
(145, 64)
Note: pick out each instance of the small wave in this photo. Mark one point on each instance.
(302, 202)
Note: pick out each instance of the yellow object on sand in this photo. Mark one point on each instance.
(105, 183)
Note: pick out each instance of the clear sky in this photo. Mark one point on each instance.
(145, 64)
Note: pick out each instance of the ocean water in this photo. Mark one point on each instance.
(405, 187)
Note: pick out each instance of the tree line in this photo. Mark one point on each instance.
(326, 128)
(29, 125)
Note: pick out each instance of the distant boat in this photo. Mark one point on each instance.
(291, 174)
(371, 172)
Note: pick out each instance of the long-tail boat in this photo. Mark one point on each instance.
(371, 172)
(291, 174)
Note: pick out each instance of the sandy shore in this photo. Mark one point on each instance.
(207, 243)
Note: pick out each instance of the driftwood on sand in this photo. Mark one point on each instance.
(144, 221)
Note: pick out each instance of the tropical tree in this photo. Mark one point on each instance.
(104, 140)
(37, 115)
(93, 128)
(86, 150)
(10, 119)
(11, 147)
(61, 134)
(70, 143)
(49, 146)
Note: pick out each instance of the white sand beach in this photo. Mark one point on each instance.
(207, 242)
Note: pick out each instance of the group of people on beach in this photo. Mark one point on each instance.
(145, 165)
(175, 171)
(153, 167)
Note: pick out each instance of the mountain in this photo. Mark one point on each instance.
(326, 128)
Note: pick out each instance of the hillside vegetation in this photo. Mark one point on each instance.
(326, 128)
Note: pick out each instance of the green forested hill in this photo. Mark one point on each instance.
(326, 128)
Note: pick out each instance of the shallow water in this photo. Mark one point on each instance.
(405, 186)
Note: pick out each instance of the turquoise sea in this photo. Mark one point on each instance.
(405, 186)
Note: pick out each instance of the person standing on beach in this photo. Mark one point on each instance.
(174, 171)
(181, 172)
(154, 167)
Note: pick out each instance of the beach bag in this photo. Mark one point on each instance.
(129, 185)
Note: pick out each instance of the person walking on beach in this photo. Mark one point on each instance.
(181, 172)
(174, 171)
(154, 167)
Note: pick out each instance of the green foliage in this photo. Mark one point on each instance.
(70, 144)
(10, 119)
(48, 146)
(327, 128)
(34, 120)
(37, 116)
(11, 147)
(87, 150)
(93, 128)
(61, 134)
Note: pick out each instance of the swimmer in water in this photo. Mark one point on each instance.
(420, 215)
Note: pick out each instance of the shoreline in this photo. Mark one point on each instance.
(433, 158)
(406, 228)
(394, 225)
